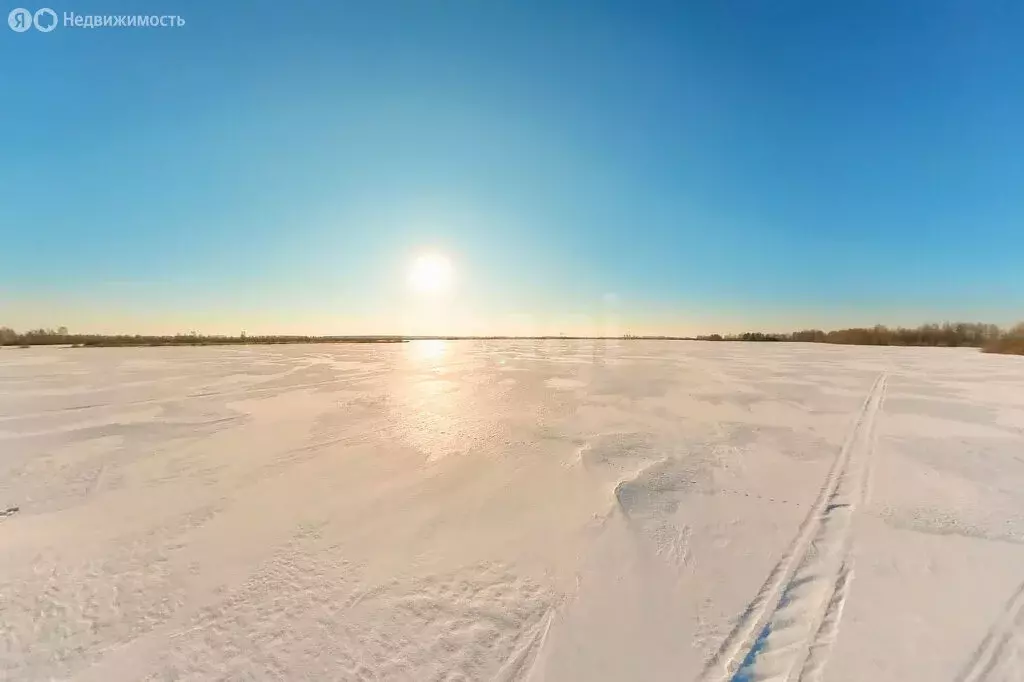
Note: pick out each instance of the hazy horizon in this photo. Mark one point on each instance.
(522, 325)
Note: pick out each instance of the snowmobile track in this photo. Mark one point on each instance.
(787, 630)
(1000, 656)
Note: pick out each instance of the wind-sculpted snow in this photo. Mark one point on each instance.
(514, 510)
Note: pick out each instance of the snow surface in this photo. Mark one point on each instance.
(516, 510)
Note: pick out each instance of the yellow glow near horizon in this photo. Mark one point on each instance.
(426, 350)
(431, 274)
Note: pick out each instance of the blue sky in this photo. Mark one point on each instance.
(657, 167)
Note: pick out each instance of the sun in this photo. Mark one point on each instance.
(431, 274)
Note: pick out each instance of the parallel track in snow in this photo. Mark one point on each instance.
(787, 630)
(1000, 656)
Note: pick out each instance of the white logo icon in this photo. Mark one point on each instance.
(19, 20)
(49, 21)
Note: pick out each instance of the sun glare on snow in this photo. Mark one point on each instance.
(431, 274)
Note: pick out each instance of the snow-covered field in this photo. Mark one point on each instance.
(516, 510)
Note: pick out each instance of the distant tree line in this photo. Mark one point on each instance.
(1011, 342)
(989, 337)
(60, 336)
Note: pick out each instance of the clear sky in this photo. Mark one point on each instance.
(655, 167)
